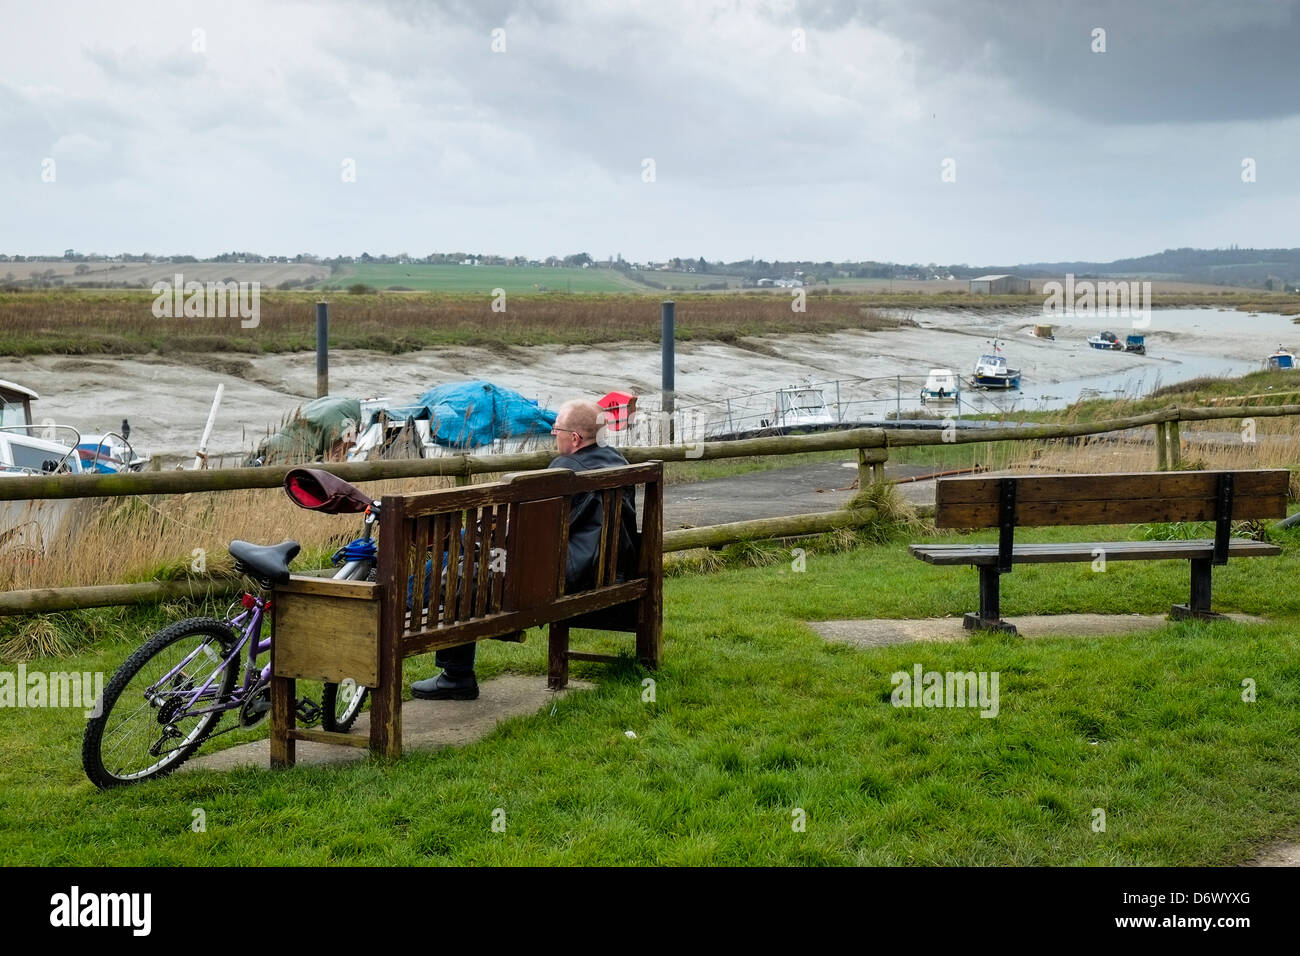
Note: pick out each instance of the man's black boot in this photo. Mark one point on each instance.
(444, 687)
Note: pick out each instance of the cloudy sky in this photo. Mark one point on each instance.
(651, 129)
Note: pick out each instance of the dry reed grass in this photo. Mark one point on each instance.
(157, 537)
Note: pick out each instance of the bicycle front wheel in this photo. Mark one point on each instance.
(161, 704)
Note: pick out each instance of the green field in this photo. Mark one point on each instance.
(438, 278)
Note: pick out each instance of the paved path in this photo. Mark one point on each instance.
(778, 492)
(881, 633)
(426, 724)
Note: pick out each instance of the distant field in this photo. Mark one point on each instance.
(100, 274)
(423, 277)
(83, 322)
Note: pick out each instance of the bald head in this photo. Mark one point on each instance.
(580, 416)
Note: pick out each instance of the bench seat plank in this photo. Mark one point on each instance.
(987, 554)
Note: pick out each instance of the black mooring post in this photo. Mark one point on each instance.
(668, 334)
(322, 349)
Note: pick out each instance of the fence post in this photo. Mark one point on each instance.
(1162, 449)
(1175, 445)
(322, 349)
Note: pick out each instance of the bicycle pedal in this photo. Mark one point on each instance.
(307, 711)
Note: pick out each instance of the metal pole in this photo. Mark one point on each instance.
(898, 397)
(322, 349)
(839, 409)
(667, 336)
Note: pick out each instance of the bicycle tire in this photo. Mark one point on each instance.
(341, 721)
(332, 719)
(113, 718)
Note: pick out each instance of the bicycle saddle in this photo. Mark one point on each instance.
(266, 562)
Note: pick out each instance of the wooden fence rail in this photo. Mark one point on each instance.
(871, 443)
(235, 479)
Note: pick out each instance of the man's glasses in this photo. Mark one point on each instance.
(561, 431)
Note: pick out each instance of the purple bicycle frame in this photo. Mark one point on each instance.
(256, 648)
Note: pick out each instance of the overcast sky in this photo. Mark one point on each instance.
(191, 127)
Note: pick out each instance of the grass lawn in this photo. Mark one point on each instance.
(756, 717)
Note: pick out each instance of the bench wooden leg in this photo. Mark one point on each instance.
(283, 692)
(557, 671)
(989, 617)
(1198, 606)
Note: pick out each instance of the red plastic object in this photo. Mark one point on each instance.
(619, 408)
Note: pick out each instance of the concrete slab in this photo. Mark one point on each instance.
(426, 725)
(882, 633)
(1279, 854)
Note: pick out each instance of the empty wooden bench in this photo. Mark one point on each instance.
(1047, 501)
(504, 546)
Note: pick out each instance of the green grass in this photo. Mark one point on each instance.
(445, 278)
(755, 717)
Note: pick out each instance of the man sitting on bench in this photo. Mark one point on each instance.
(576, 427)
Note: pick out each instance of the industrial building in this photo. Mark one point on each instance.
(999, 285)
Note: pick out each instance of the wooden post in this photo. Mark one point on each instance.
(871, 466)
(1162, 449)
(557, 667)
(283, 691)
(649, 628)
(1175, 446)
(386, 699)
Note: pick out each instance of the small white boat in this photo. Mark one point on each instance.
(992, 371)
(940, 386)
(1281, 360)
(802, 405)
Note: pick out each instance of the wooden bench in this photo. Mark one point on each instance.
(505, 546)
(1046, 501)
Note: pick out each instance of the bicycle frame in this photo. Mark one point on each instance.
(255, 613)
(249, 626)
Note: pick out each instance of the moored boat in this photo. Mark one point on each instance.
(940, 386)
(1107, 341)
(1281, 360)
(992, 371)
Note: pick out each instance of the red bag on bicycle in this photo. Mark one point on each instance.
(318, 490)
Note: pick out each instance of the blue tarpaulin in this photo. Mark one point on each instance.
(469, 414)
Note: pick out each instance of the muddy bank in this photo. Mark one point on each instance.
(167, 399)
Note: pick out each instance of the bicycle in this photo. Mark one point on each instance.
(166, 699)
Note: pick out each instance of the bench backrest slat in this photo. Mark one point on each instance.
(1050, 500)
(503, 545)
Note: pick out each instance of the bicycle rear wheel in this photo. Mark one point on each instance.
(146, 727)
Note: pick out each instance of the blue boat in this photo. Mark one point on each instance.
(1282, 360)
